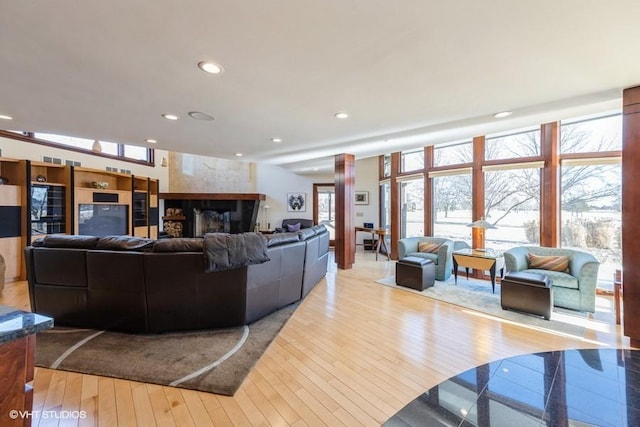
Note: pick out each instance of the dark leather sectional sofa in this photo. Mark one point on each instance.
(152, 286)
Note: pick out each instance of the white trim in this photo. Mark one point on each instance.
(411, 177)
(451, 172)
(528, 165)
(592, 161)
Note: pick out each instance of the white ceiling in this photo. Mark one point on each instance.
(409, 72)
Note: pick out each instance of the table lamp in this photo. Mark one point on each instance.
(482, 225)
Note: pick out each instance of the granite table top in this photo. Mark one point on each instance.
(16, 324)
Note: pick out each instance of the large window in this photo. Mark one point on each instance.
(591, 212)
(512, 204)
(412, 160)
(123, 151)
(595, 135)
(516, 145)
(412, 196)
(453, 154)
(452, 205)
(385, 205)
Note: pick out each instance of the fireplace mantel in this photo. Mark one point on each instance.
(213, 196)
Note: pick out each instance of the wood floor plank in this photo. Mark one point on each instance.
(142, 405)
(124, 403)
(107, 407)
(179, 410)
(89, 401)
(353, 353)
(71, 401)
(267, 409)
(196, 408)
(152, 401)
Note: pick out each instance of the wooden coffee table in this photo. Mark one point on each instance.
(479, 259)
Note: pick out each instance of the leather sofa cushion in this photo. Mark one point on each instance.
(306, 233)
(125, 243)
(66, 241)
(319, 229)
(180, 244)
(281, 239)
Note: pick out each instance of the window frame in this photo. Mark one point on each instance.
(29, 137)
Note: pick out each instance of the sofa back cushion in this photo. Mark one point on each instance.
(553, 263)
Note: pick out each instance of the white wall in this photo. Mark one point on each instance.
(276, 183)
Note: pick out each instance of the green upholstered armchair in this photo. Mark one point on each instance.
(442, 259)
(575, 289)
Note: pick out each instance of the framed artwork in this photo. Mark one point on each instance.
(362, 197)
(296, 202)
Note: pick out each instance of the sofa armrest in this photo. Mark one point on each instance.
(515, 259)
(584, 267)
(407, 245)
(445, 259)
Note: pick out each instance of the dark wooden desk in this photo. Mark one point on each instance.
(381, 233)
(617, 293)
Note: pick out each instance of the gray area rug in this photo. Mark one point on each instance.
(476, 295)
(215, 361)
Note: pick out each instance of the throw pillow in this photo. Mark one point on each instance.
(429, 247)
(553, 263)
(293, 227)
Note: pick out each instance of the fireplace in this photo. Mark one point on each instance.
(203, 213)
(210, 221)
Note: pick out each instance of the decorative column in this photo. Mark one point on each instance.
(550, 206)
(345, 178)
(477, 179)
(630, 209)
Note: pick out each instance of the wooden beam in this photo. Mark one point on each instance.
(630, 209)
(477, 192)
(550, 185)
(396, 207)
(428, 191)
(345, 177)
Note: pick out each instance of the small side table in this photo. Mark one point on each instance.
(478, 259)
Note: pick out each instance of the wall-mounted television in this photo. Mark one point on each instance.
(103, 219)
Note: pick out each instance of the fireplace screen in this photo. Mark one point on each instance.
(210, 221)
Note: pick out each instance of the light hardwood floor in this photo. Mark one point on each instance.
(354, 353)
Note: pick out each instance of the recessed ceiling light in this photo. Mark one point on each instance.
(199, 115)
(3, 117)
(341, 115)
(502, 114)
(170, 116)
(210, 67)
(239, 154)
(276, 140)
(151, 141)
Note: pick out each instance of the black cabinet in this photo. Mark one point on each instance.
(47, 209)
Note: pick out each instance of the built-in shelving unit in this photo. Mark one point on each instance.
(145, 207)
(39, 198)
(48, 201)
(12, 220)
